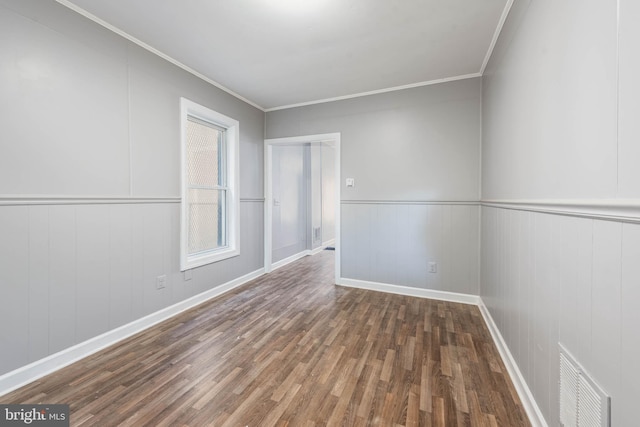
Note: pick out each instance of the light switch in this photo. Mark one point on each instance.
(351, 182)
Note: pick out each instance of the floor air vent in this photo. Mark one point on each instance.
(582, 402)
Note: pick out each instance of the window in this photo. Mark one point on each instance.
(210, 202)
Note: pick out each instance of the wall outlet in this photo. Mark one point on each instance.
(188, 274)
(433, 267)
(161, 281)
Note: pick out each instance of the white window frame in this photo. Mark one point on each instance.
(232, 133)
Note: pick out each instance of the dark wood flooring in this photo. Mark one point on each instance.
(293, 349)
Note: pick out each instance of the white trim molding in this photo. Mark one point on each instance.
(22, 200)
(328, 138)
(289, 260)
(496, 34)
(409, 291)
(526, 397)
(229, 157)
(375, 92)
(38, 369)
(622, 210)
(411, 202)
(293, 258)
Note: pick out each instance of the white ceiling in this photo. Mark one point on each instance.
(277, 53)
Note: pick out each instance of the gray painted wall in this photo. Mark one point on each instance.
(87, 113)
(416, 145)
(560, 106)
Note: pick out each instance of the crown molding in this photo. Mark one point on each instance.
(376, 92)
(496, 35)
(155, 51)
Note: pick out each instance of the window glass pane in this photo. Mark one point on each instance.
(205, 158)
(207, 211)
(209, 217)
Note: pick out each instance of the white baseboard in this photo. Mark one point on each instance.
(289, 260)
(38, 369)
(292, 258)
(408, 291)
(531, 407)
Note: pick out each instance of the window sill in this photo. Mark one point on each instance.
(208, 258)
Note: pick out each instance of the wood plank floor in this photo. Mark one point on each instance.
(292, 349)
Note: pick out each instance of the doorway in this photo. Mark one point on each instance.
(306, 198)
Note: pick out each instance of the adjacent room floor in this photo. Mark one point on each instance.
(291, 348)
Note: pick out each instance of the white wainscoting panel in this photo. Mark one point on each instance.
(626, 404)
(73, 272)
(549, 278)
(393, 242)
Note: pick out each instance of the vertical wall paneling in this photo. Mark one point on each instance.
(524, 264)
(560, 265)
(559, 123)
(463, 225)
(605, 310)
(446, 235)
(549, 279)
(120, 265)
(62, 279)
(386, 246)
(154, 247)
(575, 290)
(434, 243)
(392, 243)
(14, 276)
(625, 409)
(38, 269)
(138, 260)
(180, 287)
(94, 118)
(92, 271)
(73, 272)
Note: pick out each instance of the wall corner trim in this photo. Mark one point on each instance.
(531, 407)
(38, 369)
(409, 291)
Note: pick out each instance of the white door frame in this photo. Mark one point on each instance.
(329, 138)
